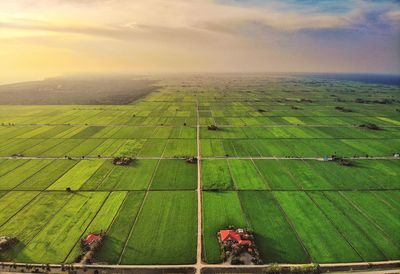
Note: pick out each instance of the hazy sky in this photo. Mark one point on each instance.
(41, 38)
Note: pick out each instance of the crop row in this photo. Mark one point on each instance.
(299, 133)
(96, 132)
(49, 226)
(233, 174)
(300, 120)
(98, 175)
(300, 227)
(298, 147)
(95, 147)
(254, 132)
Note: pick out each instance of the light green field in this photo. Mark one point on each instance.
(77, 175)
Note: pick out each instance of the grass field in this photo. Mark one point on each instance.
(262, 169)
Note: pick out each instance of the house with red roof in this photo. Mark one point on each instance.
(238, 236)
(92, 238)
(229, 235)
(237, 246)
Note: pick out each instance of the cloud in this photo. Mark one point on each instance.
(194, 34)
(170, 17)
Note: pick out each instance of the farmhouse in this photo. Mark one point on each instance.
(233, 236)
(91, 239)
(238, 246)
(90, 244)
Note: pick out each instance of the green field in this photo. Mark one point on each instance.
(263, 169)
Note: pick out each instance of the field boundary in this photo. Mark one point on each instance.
(199, 248)
(335, 226)
(357, 207)
(292, 226)
(205, 158)
(357, 225)
(261, 175)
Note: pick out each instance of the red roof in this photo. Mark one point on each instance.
(245, 242)
(92, 238)
(229, 235)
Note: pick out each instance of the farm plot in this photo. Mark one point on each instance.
(87, 132)
(8, 206)
(381, 213)
(54, 131)
(98, 176)
(320, 175)
(165, 216)
(29, 221)
(322, 240)
(390, 197)
(175, 174)
(47, 175)
(55, 241)
(349, 229)
(12, 147)
(131, 147)
(18, 175)
(275, 238)
(291, 132)
(77, 175)
(101, 221)
(34, 132)
(8, 165)
(108, 148)
(231, 174)
(216, 175)
(370, 228)
(136, 176)
(180, 148)
(298, 147)
(245, 175)
(86, 147)
(69, 133)
(220, 210)
(120, 228)
(153, 148)
(63, 148)
(42, 147)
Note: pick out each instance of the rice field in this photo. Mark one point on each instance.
(265, 168)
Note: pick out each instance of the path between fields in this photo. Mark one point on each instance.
(199, 259)
(195, 126)
(198, 157)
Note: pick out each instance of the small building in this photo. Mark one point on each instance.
(90, 244)
(92, 238)
(237, 246)
(229, 235)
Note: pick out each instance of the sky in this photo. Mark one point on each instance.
(43, 38)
